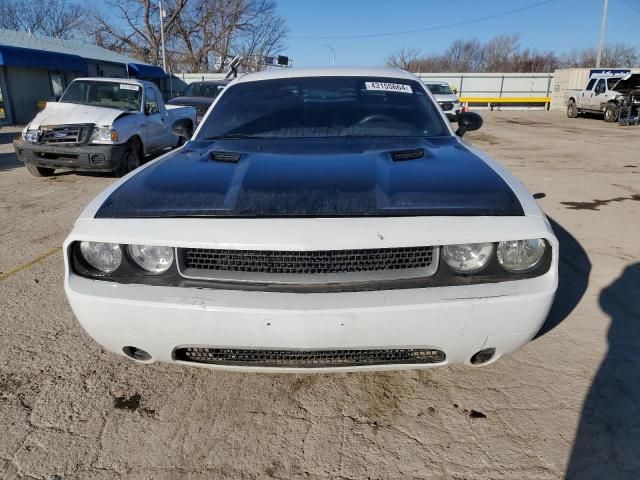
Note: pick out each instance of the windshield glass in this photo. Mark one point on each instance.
(612, 81)
(123, 96)
(439, 88)
(202, 90)
(322, 107)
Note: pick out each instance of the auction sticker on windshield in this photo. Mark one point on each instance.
(388, 87)
(127, 86)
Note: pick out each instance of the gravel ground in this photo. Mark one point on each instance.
(565, 405)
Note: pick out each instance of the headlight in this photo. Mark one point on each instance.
(467, 257)
(31, 136)
(153, 259)
(104, 135)
(105, 257)
(519, 256)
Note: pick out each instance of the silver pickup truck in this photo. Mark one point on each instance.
(597, 97)
(100, 124)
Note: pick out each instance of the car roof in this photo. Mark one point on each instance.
(328, 72)
(129, 81)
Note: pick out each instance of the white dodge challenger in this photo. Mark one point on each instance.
(317, 220)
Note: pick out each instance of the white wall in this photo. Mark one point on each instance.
(495, 84)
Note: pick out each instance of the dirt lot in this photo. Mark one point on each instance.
(564, 405)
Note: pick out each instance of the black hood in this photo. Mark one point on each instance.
(628, 84)
(325, 177)
(191, 101)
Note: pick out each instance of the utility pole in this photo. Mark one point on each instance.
(164, 59)
(602, 31)
(333, 54)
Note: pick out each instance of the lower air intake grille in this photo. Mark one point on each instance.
(308, 262)
(307, 358)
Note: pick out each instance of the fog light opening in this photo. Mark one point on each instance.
(137, 354)
(483, 356)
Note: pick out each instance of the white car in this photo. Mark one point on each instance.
(446, 98)
(102, 125)
(318, 220)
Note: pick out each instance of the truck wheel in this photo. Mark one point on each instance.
(572, 109)
(39, 171)
(130, 159)
(611, 113)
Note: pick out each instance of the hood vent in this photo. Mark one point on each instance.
(403, 155)
(226, 157)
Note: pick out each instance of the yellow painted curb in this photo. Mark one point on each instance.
(505, 99)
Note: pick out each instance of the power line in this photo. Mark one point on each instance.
(428, 29)
(632, 6)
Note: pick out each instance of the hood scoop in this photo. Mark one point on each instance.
(225, 157)
(402, 155)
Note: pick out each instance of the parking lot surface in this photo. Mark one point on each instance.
(565, 405)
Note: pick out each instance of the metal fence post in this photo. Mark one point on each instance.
(501, 89)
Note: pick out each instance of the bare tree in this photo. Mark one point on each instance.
(62, 19)
(618, 55)
(500, 54)
(225, 28)
(500, 51)
(465, 55)
(263, 37)
(135, 30)
(405, 58)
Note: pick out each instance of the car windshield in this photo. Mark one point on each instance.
(202, 90)
(439, 88)
(123, 96)
(323, 107)
(612, 81)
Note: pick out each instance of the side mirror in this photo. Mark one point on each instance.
(183, 127)
(467, 122)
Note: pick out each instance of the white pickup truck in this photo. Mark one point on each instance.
(597, 97)
(100, 124)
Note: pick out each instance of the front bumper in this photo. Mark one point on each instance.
(101, 158)
(459, 320)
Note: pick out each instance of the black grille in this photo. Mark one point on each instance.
(407, 155)
(309, 262)
(65, 134)
(227, 157)
(307, 358)
(446, 106)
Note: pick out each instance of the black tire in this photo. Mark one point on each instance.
(611, 113)
(131, 159)
(39, 171)
(572, 109)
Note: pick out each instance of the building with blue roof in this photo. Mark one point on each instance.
(34, 69)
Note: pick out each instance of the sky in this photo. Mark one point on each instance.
(559, 25)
